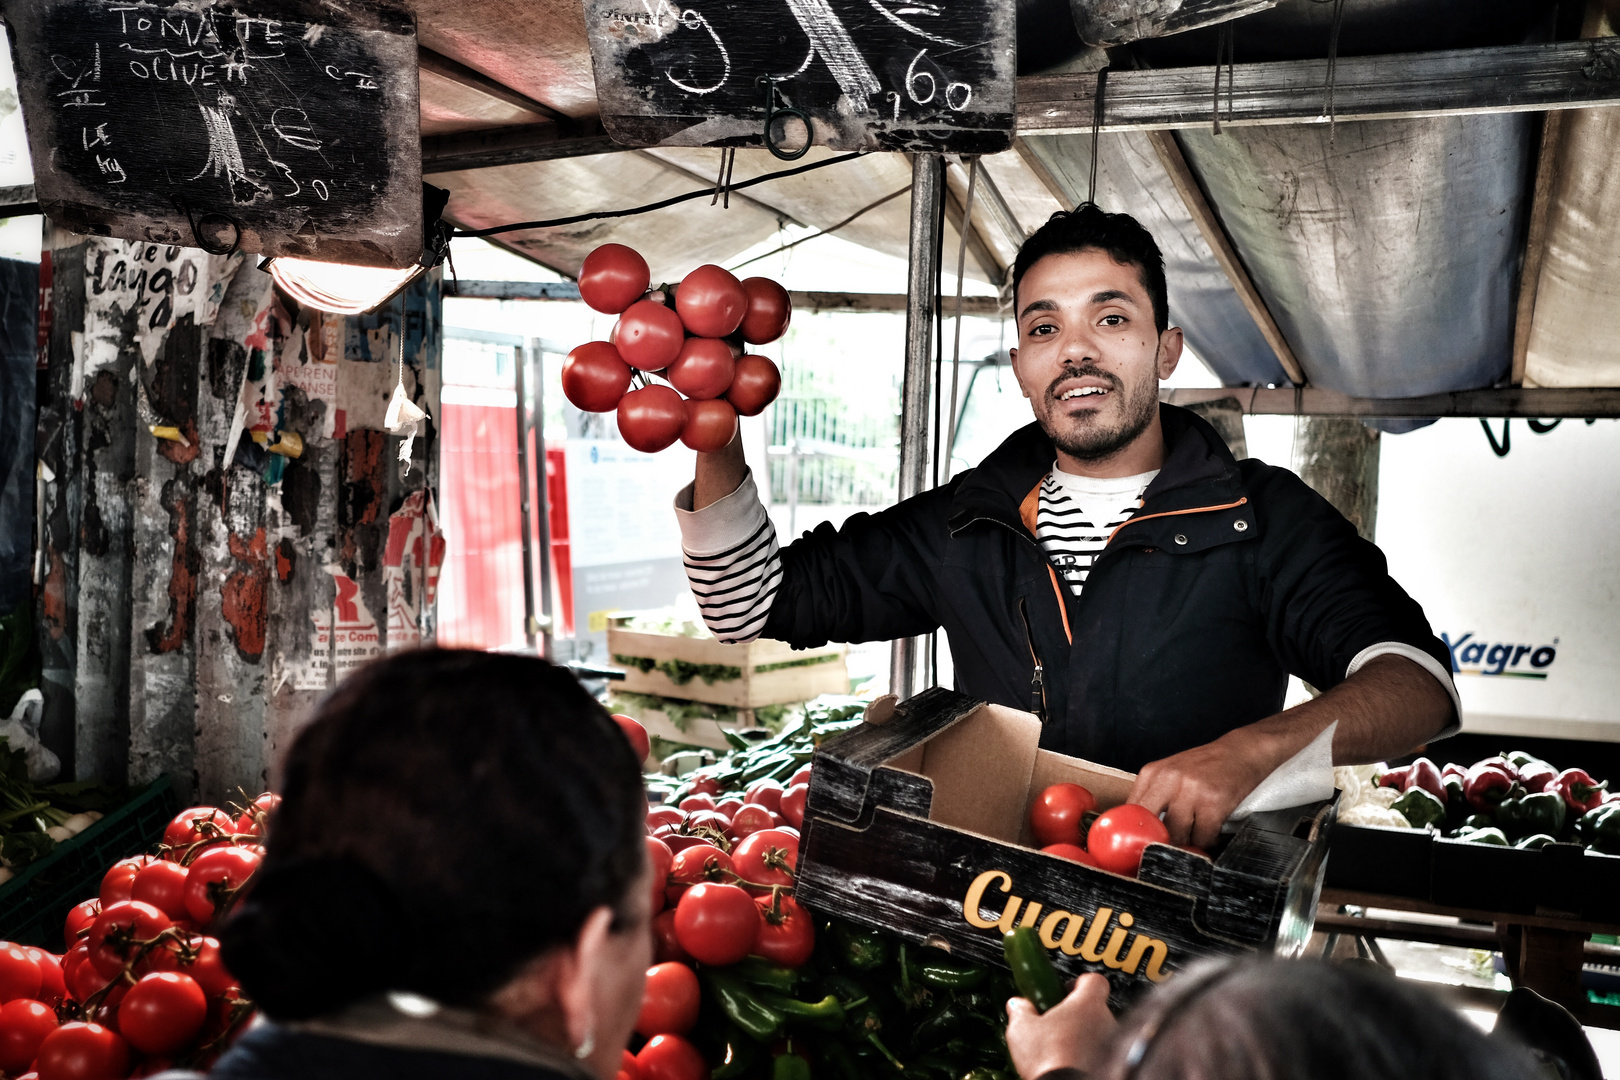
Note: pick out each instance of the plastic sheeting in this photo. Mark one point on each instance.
(1575, 332)
(1387, 251)
(1203, 303)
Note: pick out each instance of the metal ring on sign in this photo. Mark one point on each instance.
(196, 233)
(772, 114)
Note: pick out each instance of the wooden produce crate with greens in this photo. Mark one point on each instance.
(679, 660)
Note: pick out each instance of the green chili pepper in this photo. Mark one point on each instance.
(946, 975)
(826, 1014)
(1032, 969)
(756, 1019)
(1536, 842)
(758, 971)
(790, 1067)
(849, 992)
(858, 949)
(1420, 808)
(740, 1055)
(984, 1003)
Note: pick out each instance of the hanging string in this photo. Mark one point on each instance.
(1328, 105)
(1096, 131)
(722, 182)
(1225, 46)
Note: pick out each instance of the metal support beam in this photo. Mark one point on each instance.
(515, 145)
(1192, 196)
(987, 307)
(534, 357)
(1516, 78)
(462, 75)
(531, 624)
(1535, 243)
(1542, 402)
(927, 196)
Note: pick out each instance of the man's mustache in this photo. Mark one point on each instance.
(1083, 371)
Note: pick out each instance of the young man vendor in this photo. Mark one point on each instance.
(1111, 567)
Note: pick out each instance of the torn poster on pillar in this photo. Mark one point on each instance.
(308, 362)
(411, 564)
(347, 633)
(149, 288)
(375, 343)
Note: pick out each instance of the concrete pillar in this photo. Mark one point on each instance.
(1338, 457)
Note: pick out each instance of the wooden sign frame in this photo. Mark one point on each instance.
(280, 127)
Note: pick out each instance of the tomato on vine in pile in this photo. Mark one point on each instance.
(81, 1051)
(595, 377)
(668, 1057)
(613, 277)
(197, 824)
(116, 930)
(252, 820)
(1057, 816)
(695, 865)
(659, 860)
(162, 1013)
(24, 1024)
(752, 818)
(52, 984)
(718, 924)
(669, 1005)
(1118, 837)
(711, 301)
(788, 933)
(214, 878)
(793, 800)
(651, 418)
(163, 885)
(119, 880)
(767, 858)
(19, 973)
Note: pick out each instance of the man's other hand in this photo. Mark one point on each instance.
(1069, 1035)
(1197, 790)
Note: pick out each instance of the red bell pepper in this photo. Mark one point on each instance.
(1579, 790)
(1485, 786)
(1501, 763)
(1425, 775)
(1395, 778)
(1536, 775)
(1450, 769)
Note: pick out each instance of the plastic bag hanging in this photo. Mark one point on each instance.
(403, 417)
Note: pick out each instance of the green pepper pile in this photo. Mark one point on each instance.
(866, 1004)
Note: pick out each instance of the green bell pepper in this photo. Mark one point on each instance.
(1600, 828)
(1420, 808)
(1478, 821)
(756, 1019)
(758, 971)
(790, 1067)
(1537, 812)
(1536, 842)
(1484, 836)
(859, 950)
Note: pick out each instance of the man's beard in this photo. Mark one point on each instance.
(1095, 442)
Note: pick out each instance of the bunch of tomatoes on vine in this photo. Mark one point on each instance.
(141, 987)
(692, 334)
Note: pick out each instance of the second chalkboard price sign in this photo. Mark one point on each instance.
(910, 75)
(281, 127)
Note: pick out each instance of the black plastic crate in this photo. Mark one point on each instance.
(35, 903)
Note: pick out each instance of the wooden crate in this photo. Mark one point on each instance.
(919, 827)
(752, 690)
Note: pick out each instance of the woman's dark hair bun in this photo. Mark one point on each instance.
(446, 817)
(315, 934)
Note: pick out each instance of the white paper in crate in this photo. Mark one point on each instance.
(1306, 777)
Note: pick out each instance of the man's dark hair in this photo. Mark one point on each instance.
(1119, 235)
(446, 817)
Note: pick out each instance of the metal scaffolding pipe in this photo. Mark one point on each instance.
(927, 193)
(548, 625)
(531, 626)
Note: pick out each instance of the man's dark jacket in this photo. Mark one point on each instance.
(1230, 577)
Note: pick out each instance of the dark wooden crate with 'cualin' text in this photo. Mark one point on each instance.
(920, 827)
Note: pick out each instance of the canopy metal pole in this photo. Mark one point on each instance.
(537, 357)
(927, 191)
(531, 625)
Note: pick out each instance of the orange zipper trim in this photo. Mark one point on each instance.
(1174, 513)
(1062, 607)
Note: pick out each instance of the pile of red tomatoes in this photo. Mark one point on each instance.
(693, 334)
(141, 987)
(723, 875)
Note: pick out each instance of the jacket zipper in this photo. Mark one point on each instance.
(1037, 682)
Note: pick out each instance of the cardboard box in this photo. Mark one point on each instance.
(919, 827)
(768, 672)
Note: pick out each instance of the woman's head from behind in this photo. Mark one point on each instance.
(461, 825)
(1288, 1019)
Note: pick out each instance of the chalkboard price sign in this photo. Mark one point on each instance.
(911, 75)
(287, 127)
